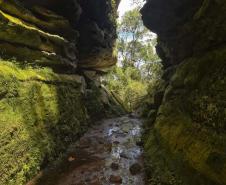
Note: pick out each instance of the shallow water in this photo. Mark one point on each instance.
(113, 141)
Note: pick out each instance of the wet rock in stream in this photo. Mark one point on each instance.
(105, 155)
(135, 169)
(139, 143)
(114, 166)
(124, 155)
(115, 179)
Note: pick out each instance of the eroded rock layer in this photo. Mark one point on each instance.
(187, 143)
(72, 34)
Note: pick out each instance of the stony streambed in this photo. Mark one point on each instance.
(109, 153)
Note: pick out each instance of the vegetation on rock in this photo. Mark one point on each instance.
(53, 52)
(41, 113)
(45, 103)
(185, 137)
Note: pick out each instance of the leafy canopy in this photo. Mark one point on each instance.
(138, 63)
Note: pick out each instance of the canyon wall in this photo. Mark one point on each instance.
(186, 139)
(51, 55)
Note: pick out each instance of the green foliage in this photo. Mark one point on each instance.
(127, 84)
(131, 32)
(139, 67)
(136, 44)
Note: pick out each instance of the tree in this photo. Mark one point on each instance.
(136, 45)
(139, 64)
(131, 34)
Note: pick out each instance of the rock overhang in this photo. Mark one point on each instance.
(88, 28)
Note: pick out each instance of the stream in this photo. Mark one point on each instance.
(109, 153)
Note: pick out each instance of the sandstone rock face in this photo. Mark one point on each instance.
(180, 24)
(70, 34)
(46, 97)
(189, 130)
(21, 29)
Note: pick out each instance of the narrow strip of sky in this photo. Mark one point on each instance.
(125, 6)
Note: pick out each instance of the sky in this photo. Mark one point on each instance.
(125, 6)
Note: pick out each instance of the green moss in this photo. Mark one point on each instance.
(41, 113)
(188, 138)
(202, 9)
(51, 23)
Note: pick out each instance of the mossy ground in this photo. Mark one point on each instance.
(41, 113)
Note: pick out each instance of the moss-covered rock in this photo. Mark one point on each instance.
(41, 114)
(187, 143)
(190, 125)
(39, 17)
(34, 44)
(44, 103)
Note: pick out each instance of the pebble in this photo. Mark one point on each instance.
(116, 142)
(135, 169)
(71, 158)
(139, 143)
(124, 155)
(115, 179)
(114, 166)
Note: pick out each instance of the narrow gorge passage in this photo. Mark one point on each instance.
(109, 153)
(72, 71)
